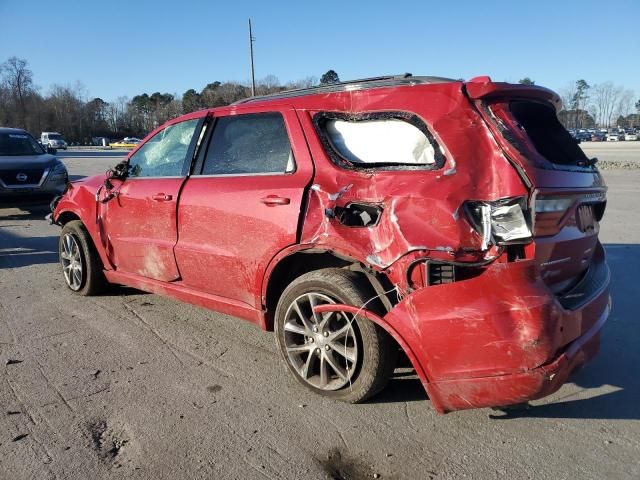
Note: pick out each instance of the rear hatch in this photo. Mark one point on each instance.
(568, 194)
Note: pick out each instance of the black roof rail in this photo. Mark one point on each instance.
(350, 85)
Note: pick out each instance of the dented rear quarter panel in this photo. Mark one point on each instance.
(422, 208)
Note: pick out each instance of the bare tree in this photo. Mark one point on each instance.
(625, 103)
(306, 82)
(567, 94)
(18, 81)
(267, 85)
(606, 98)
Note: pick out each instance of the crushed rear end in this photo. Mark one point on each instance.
(516, 331)
(501, 287)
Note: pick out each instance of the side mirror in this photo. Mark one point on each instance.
(51, 150)
(119, 172)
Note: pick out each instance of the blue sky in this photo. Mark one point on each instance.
(128, 47)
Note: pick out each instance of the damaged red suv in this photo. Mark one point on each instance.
(456, 222)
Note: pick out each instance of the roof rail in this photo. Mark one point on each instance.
(349, 85)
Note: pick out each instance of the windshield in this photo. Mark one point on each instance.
(19, 143)
(55, 136)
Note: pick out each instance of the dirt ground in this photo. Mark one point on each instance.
(133, 385)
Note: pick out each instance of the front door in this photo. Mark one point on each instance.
(139, 226)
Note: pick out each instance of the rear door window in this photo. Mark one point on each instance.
(249, 144)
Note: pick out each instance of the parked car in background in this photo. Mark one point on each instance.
(124, 143)
(100, 141)
(598, 137)
(455, 221)
(53, 140)
(613, 137)
(631, 137)
(583, 137)
(27, 170)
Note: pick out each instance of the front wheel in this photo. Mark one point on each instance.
(81, 265)
(335, 354)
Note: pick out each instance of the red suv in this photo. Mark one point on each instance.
(456, 222)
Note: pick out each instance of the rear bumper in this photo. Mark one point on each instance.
(520, 387)
(501, 338)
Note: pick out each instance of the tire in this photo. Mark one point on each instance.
(359, 363)
(76, 249)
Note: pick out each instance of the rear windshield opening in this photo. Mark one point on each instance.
(378, 139)
(546, 133)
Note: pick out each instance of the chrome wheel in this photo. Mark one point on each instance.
(71, 259)
(322, 348)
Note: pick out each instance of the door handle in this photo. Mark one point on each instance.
(161, 197)
(274, 200)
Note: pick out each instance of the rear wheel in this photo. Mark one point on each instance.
(335, 354)
(81, 265)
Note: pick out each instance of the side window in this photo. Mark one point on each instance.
(164, 154)
(246, 144)
(378, 139)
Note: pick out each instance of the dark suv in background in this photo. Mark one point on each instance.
(28, 172)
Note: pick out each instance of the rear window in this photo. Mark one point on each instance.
(528, 124)
(378, 139)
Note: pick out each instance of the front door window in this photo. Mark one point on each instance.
(164, 154)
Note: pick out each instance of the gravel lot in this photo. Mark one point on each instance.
(614, 155)
(133, 385)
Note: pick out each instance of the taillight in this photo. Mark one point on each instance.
(549, 212)
(500, 222)
(548, 205)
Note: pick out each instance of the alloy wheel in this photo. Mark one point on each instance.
(322, 348)
(71, 258)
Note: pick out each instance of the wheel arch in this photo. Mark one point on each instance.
(67, 211)
(293, 263)
(66, 216)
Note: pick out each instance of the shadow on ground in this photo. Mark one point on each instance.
(16, 251)
(614, 368)
(24, 211)
(616, 364)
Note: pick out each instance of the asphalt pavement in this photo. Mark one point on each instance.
(134, 385)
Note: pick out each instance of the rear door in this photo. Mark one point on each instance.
(243, 204)
(139, 225)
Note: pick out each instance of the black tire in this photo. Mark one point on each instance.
(376, 352)
(92, 280)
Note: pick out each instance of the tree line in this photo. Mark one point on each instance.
(69, 110)
(600, 105)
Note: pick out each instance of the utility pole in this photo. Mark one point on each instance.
(253, 79)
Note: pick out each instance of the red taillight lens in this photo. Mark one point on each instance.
(549, 212)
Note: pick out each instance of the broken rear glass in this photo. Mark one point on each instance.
(530, 125)
(378, 139)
